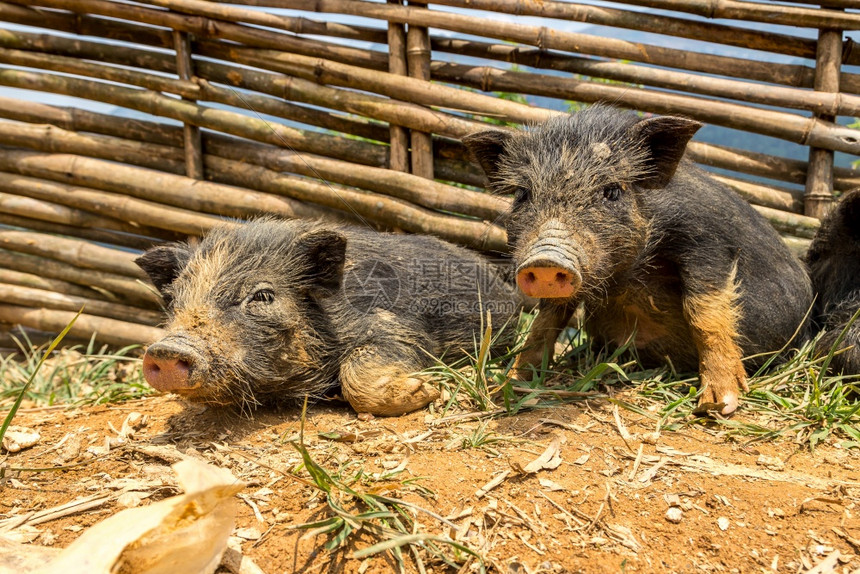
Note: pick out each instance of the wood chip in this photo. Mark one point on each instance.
(496, 481)
(648, 475)
(550, 485)
(550, 459)
(826, 566)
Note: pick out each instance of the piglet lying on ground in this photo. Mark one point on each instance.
(607, 212)
(275, 310)
(834, 264)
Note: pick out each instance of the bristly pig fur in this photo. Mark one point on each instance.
(265, 310)
(834, 265)
(653, 243)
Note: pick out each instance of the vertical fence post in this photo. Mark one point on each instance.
(399, 136)
(418, 58)
(193, 144)
(819, 178)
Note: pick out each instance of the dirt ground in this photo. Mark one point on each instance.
(620, 498)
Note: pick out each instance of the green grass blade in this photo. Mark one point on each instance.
(11, 414)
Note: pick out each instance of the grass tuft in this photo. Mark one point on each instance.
(77, 375)
(792, 396)
(359, 507)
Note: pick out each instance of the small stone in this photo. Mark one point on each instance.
(18, 438)
(723, 523)
(674, 514)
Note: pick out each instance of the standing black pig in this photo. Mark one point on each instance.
(273, 310)
(607, 212)
(834, 264)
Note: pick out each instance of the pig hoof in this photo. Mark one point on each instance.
(712, 400)
(388, 395)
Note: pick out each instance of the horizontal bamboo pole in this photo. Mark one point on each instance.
(183, 221)
(205, 117)
(778, 168)
(99, 235)
(767, 196)
(114, 287)
(545, 39)
(206, 196)
(789, 74)
(92, 52)
(51, 299)
(151, 185)
(807, 131)
(749, 92)
(392, 213)
(11, 277)
(790, 127)
(793, 223)
(759, 12)
(110, 331)
(170, 138)
(422, 192)
(64, 55)
(299, 89)
(205, 27)
(645, 22)
(59, 214)
(72, 251)
(822, 103)
(49, 138)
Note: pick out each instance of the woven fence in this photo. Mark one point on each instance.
(353, 110)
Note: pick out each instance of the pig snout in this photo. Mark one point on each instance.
(171, 366)
(550, 266)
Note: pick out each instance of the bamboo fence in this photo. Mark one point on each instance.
(240, 111)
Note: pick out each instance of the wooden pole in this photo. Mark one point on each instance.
(193, 145)
(398, 159)
(819, 177)
(52, 299)
(114, 287)
(111, 331)
(418, 58)
(11, 277)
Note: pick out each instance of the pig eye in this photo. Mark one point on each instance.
(612, 192)
(264, 296)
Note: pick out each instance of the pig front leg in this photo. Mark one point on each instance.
(713, 316)
(375, 386)
(546, 327)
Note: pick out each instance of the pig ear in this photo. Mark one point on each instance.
(323, 252)
(665, 139)
(486, 147)
(164, 263)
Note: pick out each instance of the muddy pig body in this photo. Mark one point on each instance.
(274, 310)
(607, 212)
(834, 265)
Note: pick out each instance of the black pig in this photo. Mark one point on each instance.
(834, 265)
(607, 212)
(273, 310)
